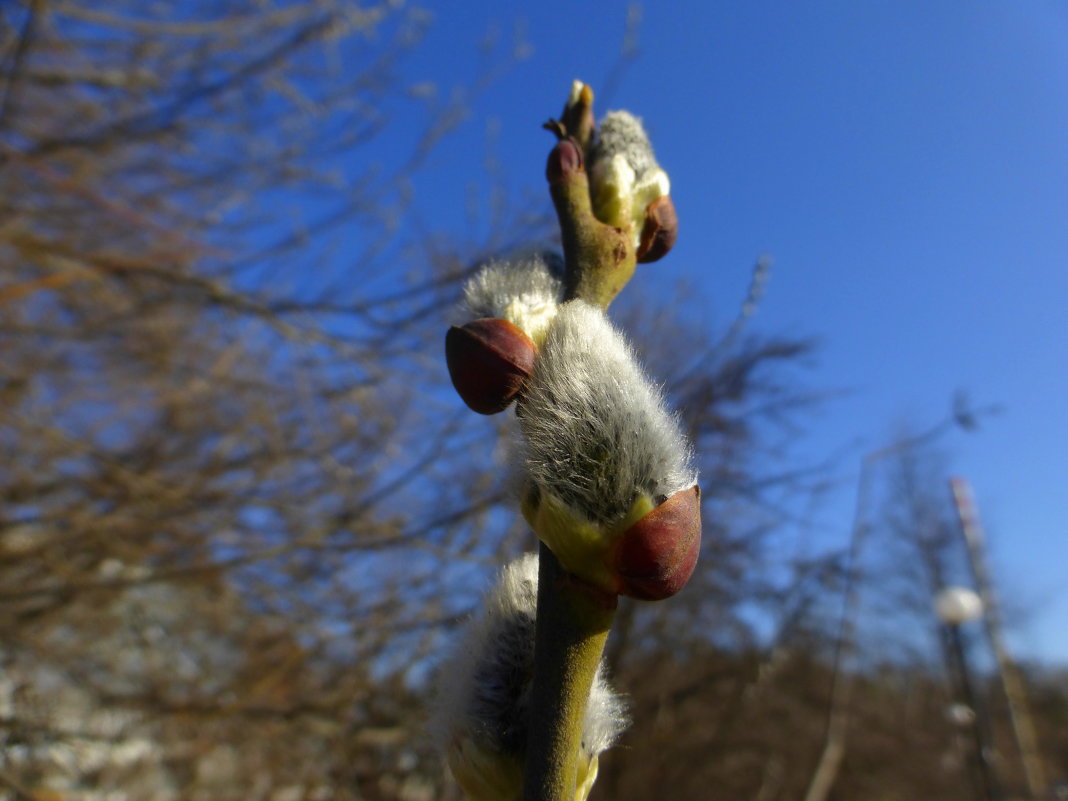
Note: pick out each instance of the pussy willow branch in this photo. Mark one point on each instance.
(572, 620)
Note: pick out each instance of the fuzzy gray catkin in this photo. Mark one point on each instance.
(596, 430)
(525, 291)
(622, 134)
(624, 174)
(485, 688)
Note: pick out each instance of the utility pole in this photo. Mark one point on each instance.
(954, 607)
(1019, 713)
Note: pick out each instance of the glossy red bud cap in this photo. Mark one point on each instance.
(657, 555)
(659, 231)
(489, 360)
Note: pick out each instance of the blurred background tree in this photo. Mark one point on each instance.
(241, 508)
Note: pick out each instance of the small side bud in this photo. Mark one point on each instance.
(626, 184)
(489, 360)
(659, 231)
(656, 556)
(577, 118)
(564, 161)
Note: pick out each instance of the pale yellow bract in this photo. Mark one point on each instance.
(487, 776)
(581, 546)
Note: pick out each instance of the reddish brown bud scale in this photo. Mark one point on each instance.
(564, 161)
(657, 555)
(659, 231)
(489, 360)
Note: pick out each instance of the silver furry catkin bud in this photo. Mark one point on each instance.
(622, 134)
(484, 705)
(526, 292)
(624, 174)
(596, 428)
(611, 486)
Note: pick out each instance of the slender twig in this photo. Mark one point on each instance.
(14, 71)
(573, 623)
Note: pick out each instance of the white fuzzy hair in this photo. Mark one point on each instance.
(484, 689)
(624, 175)
(597, 432)
(525, 291)
(621, 133)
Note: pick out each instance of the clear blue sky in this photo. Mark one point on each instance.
(905, 162)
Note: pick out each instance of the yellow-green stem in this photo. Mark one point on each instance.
(572, 626)
(600, 259)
